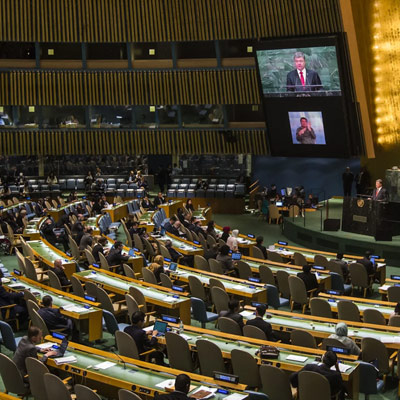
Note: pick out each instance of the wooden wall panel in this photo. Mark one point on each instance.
(163, 20)
(47, 142)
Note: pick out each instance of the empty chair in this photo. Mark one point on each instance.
(274, 214)
(321, 260)
(55, 388)
(213, 282)
(124, 394)
(117, 308)
(273, 298)
(393, 294)
(8, 338)
(282, 278)
(369, 381)
(54, 281)
(245, 366)
(77, 287)
(266, 275)
(348, 311)
(111, 323)
(394, 320)
(200, 312)
(12, 378)
(360, 278)
(298, 293)
(201, 263)
(299, 259)
(313, 386)
(141, 301)
(257, 253)
(179, 355)
(320, 308)
(216, 266)
(91, 289)
(303, 339)
(148, 276)
(373, 316)
(220, 299)
(197, 288)
(89, 256)
(337, 283)
(228, 325)
(275, 383)
(374, 349)
(166, 281)
(36, 370)
(132, 304)
(274, 256)
(85, 393)
(210, 357)
(244, 270)
(331, 342)
(254, 332)
(128, 271)
(334, 266)
(126, 345)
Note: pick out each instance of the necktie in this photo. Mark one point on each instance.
(302, 78)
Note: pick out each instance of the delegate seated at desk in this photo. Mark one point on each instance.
(334, 377)
(309, 279)
(340, 334)
(233, 313)
(182, 387)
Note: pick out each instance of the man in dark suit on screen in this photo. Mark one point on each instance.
(302, 79)
(379, 193)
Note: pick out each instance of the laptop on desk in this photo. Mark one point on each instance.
(160, 327)
(62, 349)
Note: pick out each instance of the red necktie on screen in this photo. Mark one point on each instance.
(302, 78)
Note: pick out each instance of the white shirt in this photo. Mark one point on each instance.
(304, 74)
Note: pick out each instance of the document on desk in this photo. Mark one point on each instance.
(203, 392)
(342, 367)
(384, 287)
(65, 360)
(292, 357)
(104, 365)
(247, 313)
(186, 337)
(45, 345)
(74, 308)
(169, 383)
(169, 299)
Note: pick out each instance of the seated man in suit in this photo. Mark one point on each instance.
(168, 225)
(59, 271)
(366, 261)
(233, 313)
(160, 199)
(8, 298)
(334, 377)
(182, 387)
(53, 238)
(115, 256)
(86, 239)
(55, 320)
(99, 248)
(260, 322)
(308, 278)
(302, 79)
(139, 335)
(27, 348)
(259, 244)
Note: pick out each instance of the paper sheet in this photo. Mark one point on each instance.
(292, 357)
(236, 396)
(45, 345)
(169, 383)
(247, 313)
(186, 337)
(342, 367)
(104, 365)
(384, 287)
(65, 360)
(169, 299)
(20, 284)
(74, 308)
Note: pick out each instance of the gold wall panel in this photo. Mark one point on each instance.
(163, 20)
(27, 143)
(79, 88)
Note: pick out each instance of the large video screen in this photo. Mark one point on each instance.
(311, 70)
(308, 97)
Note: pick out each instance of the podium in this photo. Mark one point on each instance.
(366, 217)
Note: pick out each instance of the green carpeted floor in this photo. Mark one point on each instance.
(246, 223)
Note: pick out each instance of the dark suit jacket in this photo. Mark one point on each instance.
(86, 240)
(53, 318)
(141, 339)
(334, 377)
(24, 350)
(381, 196)
(96, 250)
(368, 265)
(172, 396)
(310, 280)
(232, 315)
(115, 257)
(157, 201)
(312, 81)
(61, 276)
(264, 326)
(263, 249)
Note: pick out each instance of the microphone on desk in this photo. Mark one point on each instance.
(114, 351)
